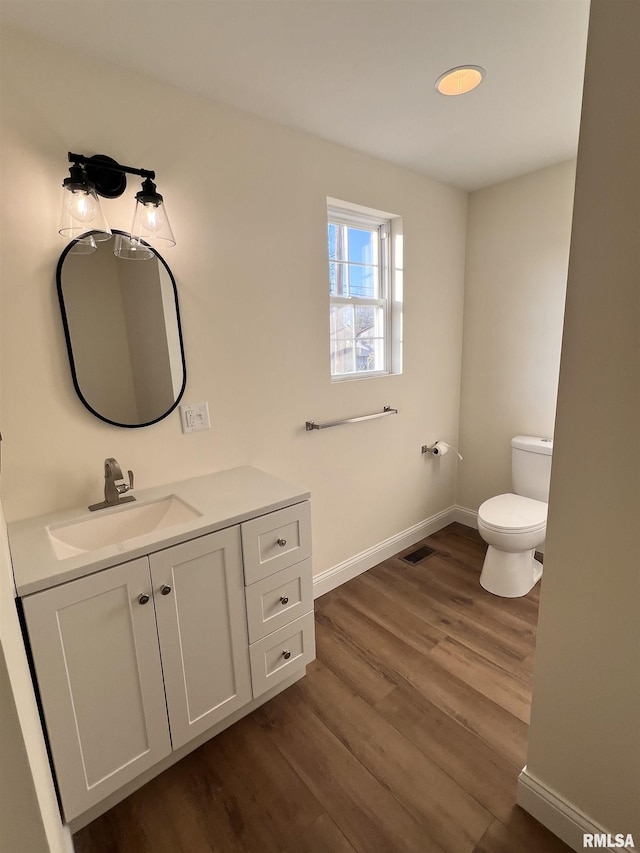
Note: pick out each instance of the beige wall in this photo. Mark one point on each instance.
(29, 815)
(516, 273)
(584, 740)
(247, 200)
(21, 828)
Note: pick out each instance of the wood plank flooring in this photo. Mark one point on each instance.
(407, 734)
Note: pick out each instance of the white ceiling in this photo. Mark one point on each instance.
(359, 72)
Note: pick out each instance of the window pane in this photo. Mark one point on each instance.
(363, 246)
(338, 279)
(332, 241)
(363, 281)
(342, 321)
(357, 339)
(342, 340)
(369, 354)
(337, 241)
(369, 338)
(365, 318)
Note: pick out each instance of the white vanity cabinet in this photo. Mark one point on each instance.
(101, 645)
(144, 648)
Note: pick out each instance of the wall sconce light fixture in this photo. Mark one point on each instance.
(90, 177)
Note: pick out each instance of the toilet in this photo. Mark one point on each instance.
(514, 525)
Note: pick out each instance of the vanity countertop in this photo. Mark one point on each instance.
(221, 500)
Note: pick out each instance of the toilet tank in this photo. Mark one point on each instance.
(531, 466)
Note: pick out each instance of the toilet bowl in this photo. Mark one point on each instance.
(513, 527)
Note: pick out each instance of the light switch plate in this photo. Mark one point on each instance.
(194, 417)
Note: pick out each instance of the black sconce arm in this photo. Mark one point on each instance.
(103, 162)
(106, 174)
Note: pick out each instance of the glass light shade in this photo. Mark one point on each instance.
(81, 212)
(460, 80)
(131, 249)
(151, 223)
(84, 246)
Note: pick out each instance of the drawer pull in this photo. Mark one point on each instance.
(284, 599)
(166, 589)
(286, 654)
(281, 542)
(143, 599)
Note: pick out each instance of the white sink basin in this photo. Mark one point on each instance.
(112, 526)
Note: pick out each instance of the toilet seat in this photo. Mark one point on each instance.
(513, 514)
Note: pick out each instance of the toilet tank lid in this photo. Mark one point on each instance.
(533, 444)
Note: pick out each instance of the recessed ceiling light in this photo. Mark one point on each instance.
(460, 80)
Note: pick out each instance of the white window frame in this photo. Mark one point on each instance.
(389, 229)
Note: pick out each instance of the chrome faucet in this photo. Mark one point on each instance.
(113, 491)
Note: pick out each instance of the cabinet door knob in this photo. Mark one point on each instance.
(143, 599)
(166, 589)
(282, 542)
(286, 654)
(284, 599)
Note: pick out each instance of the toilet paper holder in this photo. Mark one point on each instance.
(440, 448)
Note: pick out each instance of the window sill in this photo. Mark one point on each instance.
(355, 377)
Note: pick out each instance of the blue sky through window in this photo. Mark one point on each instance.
(352, 261)
(360, 246)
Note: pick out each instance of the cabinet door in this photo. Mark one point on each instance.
(97, 664)
(199, 597)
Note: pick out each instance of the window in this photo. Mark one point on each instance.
(364, 253)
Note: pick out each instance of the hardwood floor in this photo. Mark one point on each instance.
(407, 734)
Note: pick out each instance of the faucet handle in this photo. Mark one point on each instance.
(122, 487)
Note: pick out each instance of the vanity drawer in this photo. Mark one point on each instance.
(277, 600)
(279, 654)
(275, 541)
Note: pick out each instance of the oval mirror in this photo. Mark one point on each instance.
(122, 324)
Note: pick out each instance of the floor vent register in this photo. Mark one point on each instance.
(419, 555)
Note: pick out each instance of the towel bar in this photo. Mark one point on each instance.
(386, 411)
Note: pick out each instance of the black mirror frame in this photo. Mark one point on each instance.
(67, 334)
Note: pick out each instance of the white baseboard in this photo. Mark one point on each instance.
(343, 572)
(66, 840)
(465, 516)
(560, 816)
